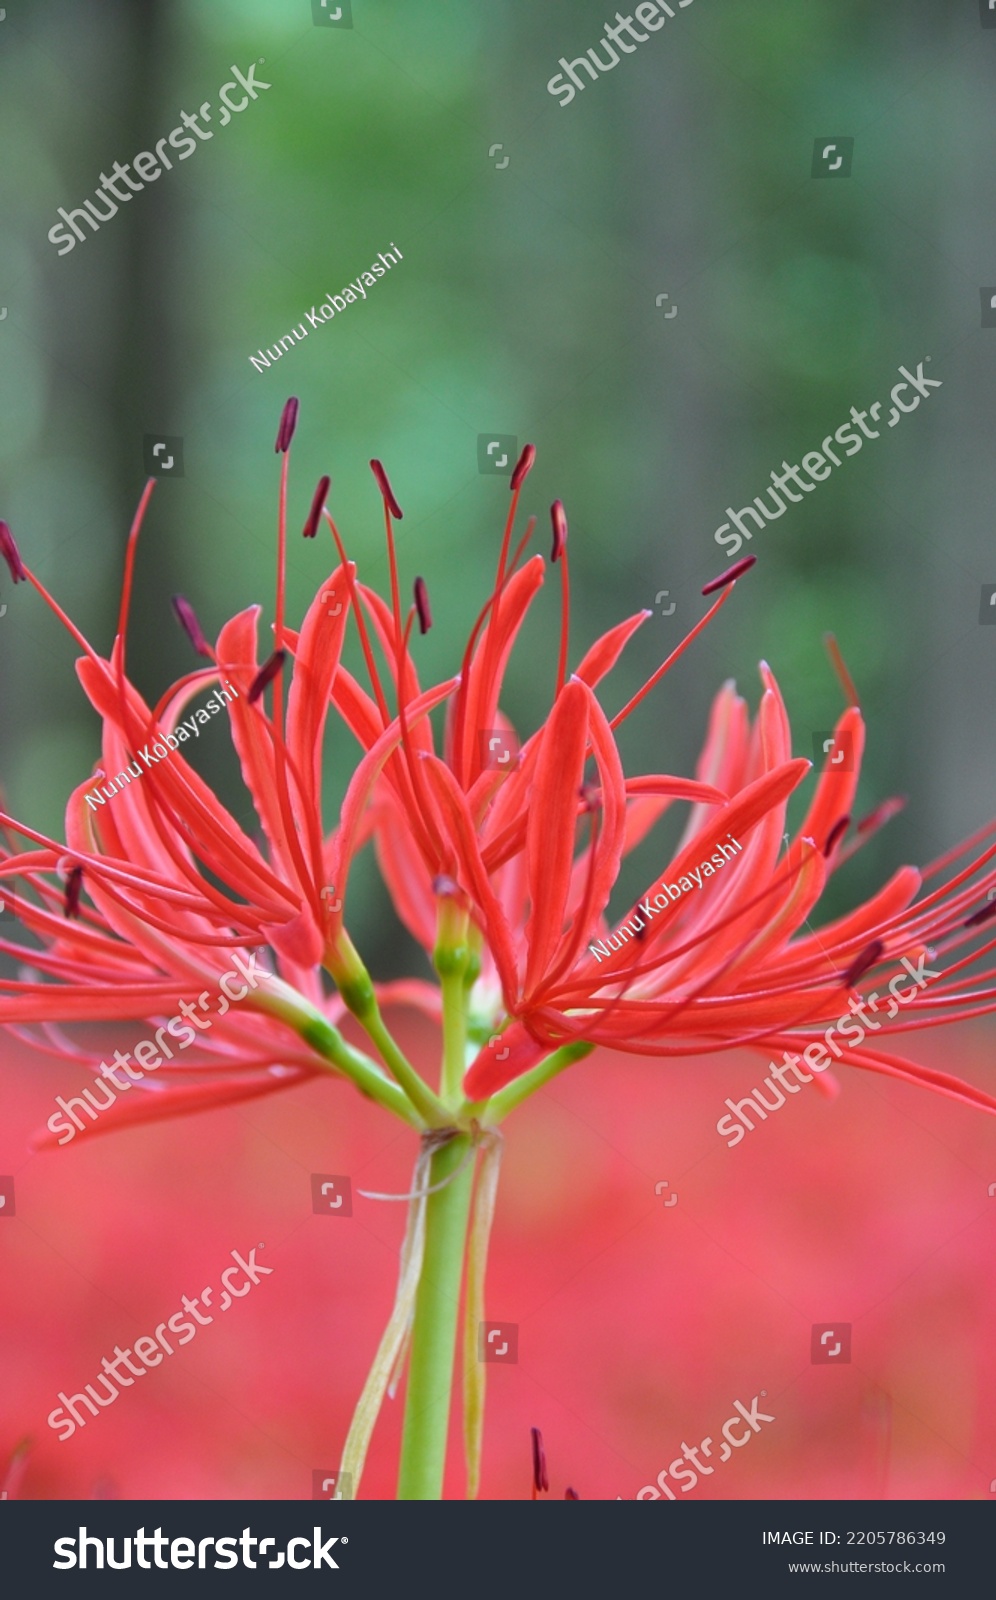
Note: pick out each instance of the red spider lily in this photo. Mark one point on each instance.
(176, 888)
(503, 869)
(725, 964)
(721, 967)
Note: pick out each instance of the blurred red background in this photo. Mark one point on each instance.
(639, 1324)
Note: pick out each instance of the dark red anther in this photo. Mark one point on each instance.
(317, 507)
(523, 467)
(868, 958)
(386, 490)
(981, 916)
(559, 520)
(266, 675)
(187, 618)
(74, 888)
(288, 422)
(540, 1481)
(641, 930)
(835, 835)
(571, 1494)
(730, 575)
(422, 606)
(11, 554)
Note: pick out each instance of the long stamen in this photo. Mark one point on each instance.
(278, 629)
(401, 637)
(863, 963)
(846, 681)
(978, 917)
(395, 769)
(66, 621)
(943, 862)
(266, 675)
(288, 422)
(129, 571)
(559, 553)
(390, 503)
(317, 507)
(422, 605)
(730, 575)
(475, 631)
(514, 563)
(11, 554)
(666, 666)
(836, 833)
(416, 776)
(361, 626)
(522, 469)
(271, 671)
(74, 888)
(187, 618)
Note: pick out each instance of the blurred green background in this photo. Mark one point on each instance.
(526, 304)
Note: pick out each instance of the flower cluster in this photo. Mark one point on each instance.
(504, 875)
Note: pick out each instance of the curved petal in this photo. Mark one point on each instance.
(550, 827)
(318, 647)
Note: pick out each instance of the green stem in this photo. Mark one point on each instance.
(429, 1106)
(279, 999)
(366, 1075)
(431, 1361)
(353, 982)
(454, 1036)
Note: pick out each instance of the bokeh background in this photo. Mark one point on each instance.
(526, 304)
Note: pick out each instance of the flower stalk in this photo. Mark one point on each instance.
(437, 1307)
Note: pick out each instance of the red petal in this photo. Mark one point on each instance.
(316, 660)
(550, 829)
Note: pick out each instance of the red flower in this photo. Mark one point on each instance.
(177, 895)
(515, 860)
(713, 956)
